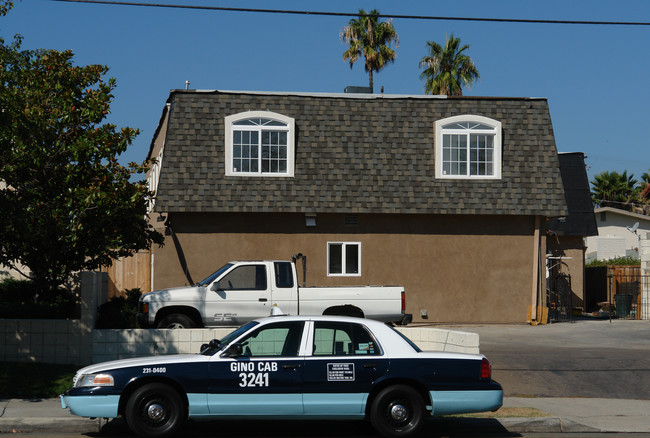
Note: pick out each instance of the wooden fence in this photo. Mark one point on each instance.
(625, 281)
(130, 273)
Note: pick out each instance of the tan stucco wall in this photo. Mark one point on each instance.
(457, 268)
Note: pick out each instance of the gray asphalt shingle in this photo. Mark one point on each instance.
(358, 154)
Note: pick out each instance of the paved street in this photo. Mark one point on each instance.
(586, 358)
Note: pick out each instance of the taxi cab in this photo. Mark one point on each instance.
(291, 367)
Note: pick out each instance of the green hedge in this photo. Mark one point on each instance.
(19, 299)
(119, 312)
(618, 261)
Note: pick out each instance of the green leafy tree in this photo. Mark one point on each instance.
(67, 203)
(368, 37)
(613, 189)
(447, 69)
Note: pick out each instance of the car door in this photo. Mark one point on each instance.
(266, 379)
(346, 361)
(240, 295)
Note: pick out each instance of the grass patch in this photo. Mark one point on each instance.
(34, 380)
(508, 413)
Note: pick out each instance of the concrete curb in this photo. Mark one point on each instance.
(467, 424)
(44, 424)
(544, 425)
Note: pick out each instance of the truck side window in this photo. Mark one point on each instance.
(343, 339)
(247, 277)
(283, 274)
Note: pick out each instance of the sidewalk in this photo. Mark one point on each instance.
(571, 415)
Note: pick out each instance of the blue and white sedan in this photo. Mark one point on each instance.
(292, 367)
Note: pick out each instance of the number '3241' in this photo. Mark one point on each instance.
(251, 380)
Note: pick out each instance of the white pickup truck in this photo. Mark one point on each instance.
(245, 290)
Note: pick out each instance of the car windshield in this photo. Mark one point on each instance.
(215, 275)
(408, 341)
(229, 338)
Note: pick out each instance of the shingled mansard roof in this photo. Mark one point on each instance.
(356, 154)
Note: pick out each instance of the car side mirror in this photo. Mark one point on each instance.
(215, 286)
(215, 343)
(235, 350)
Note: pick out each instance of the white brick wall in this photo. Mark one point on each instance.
(644, 252)
(63, 341)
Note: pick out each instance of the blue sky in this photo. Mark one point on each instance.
(596, 78)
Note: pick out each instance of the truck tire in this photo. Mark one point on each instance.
(176, 321)
(155, 410)
(398, 411)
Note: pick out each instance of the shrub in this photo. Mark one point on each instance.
(119, 312)
(618, 261)
(20, 299)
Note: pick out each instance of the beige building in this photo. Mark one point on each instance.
(448, 197)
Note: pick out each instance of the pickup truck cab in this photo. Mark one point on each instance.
(242, 291)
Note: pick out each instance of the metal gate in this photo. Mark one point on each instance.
(559, 297)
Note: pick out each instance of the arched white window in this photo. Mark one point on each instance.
(468, 146)
(259, 143)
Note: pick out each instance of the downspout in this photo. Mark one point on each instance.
(535, 282)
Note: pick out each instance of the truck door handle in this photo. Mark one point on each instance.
(263, 300)
(291, 366)
(370, 365)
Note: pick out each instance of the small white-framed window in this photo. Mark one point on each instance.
(344, 259)
(259, 143)
(468, 146)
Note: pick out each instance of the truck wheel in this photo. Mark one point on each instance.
(397, 411)
(176, 321)
(155, 410)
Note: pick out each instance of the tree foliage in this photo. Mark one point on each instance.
(67, 203)
(447, 69)
(368, 37)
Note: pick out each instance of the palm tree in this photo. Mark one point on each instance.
(615, 189)
(645, 179)
(447, 70)
(368, 37)
(644, 186)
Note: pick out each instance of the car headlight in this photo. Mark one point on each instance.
(94, 380)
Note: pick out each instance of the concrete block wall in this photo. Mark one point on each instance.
(67, 342)
(435, 339)
(122, 344)
(644, 252)
(45, 340)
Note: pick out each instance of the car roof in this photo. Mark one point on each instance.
(330, 318)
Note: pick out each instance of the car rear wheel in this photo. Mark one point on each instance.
(176, 321)
(155, 410)
(397, 411)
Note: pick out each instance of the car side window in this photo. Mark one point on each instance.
(246, 277)
(279, 339)
(343, 339)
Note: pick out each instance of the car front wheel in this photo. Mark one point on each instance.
(155, 410)
(397, 411)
